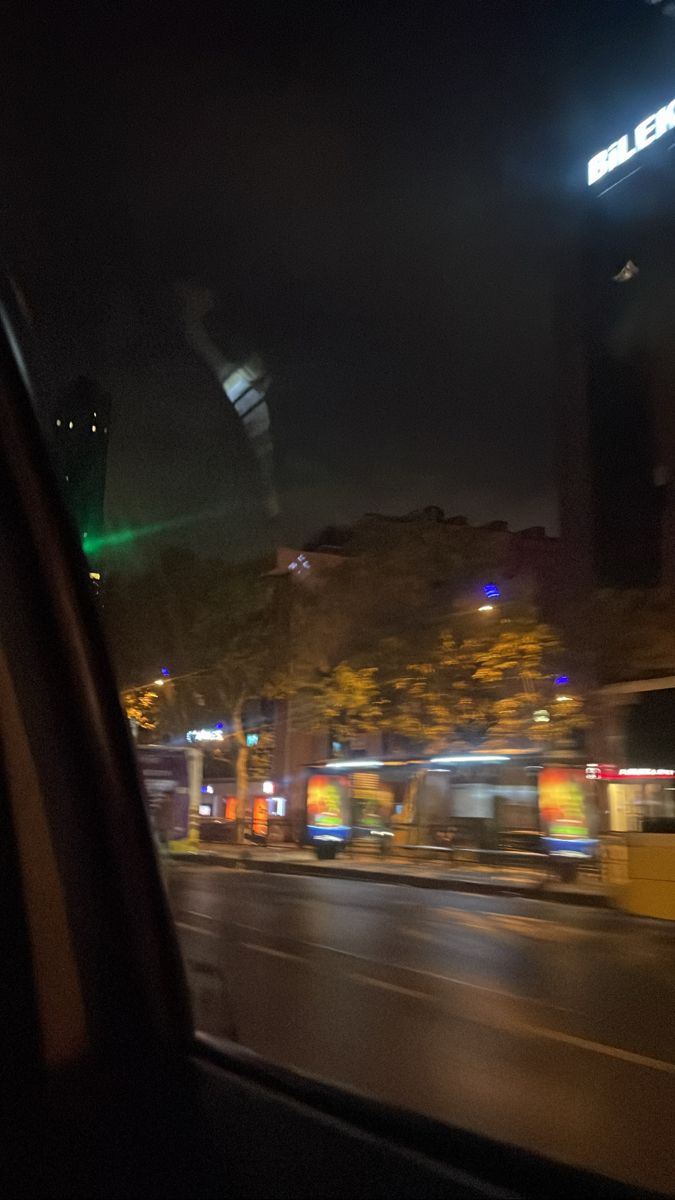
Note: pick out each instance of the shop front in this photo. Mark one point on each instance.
(632, 798)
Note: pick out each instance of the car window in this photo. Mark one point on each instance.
(350, 340)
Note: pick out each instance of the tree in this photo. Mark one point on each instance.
(388, 648)
(140, 706)
(239, 631)
(351, 700)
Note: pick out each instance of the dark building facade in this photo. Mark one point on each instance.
(616, 327)
(79, 440)
(617, 313)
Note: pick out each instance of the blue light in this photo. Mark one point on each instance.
(219, 725)
(491, 591)
(561, 680)
(165, 671)
(251, 739)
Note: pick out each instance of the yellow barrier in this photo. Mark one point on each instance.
(639, 871)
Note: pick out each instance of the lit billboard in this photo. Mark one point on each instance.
(328, 806)
(562, 808)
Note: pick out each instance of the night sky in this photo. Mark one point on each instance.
(369, 191)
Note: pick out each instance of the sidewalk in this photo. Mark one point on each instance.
(465, 877)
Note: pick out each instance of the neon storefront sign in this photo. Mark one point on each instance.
(629, 144)
(627, 774)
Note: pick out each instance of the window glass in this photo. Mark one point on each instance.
(351, 342)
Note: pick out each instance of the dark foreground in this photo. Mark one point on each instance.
(551, 1027)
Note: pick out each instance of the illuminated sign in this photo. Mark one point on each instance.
(205, 735)
(562, 803)
(621, 151)
(626, 774)
(231, 808)
(260, 817)
(328, 805)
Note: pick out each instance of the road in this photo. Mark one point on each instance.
(545, 1025)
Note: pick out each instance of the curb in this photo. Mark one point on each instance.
(363, 875)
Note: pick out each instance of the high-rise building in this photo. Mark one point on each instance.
(617, 285)
(79, 439)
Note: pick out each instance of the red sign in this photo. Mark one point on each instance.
(627, 774)
(231, 808)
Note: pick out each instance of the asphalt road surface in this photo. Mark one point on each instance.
(545, 1025)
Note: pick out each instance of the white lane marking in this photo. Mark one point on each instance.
(495, 924)
(271, 950)
(540, 1031)
(195, 929)
(388, 987)
(219, 921)
(378, 962)
(556, 1035)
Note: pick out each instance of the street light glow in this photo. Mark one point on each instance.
(472, 758)
(348, 764)
(486, 608)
